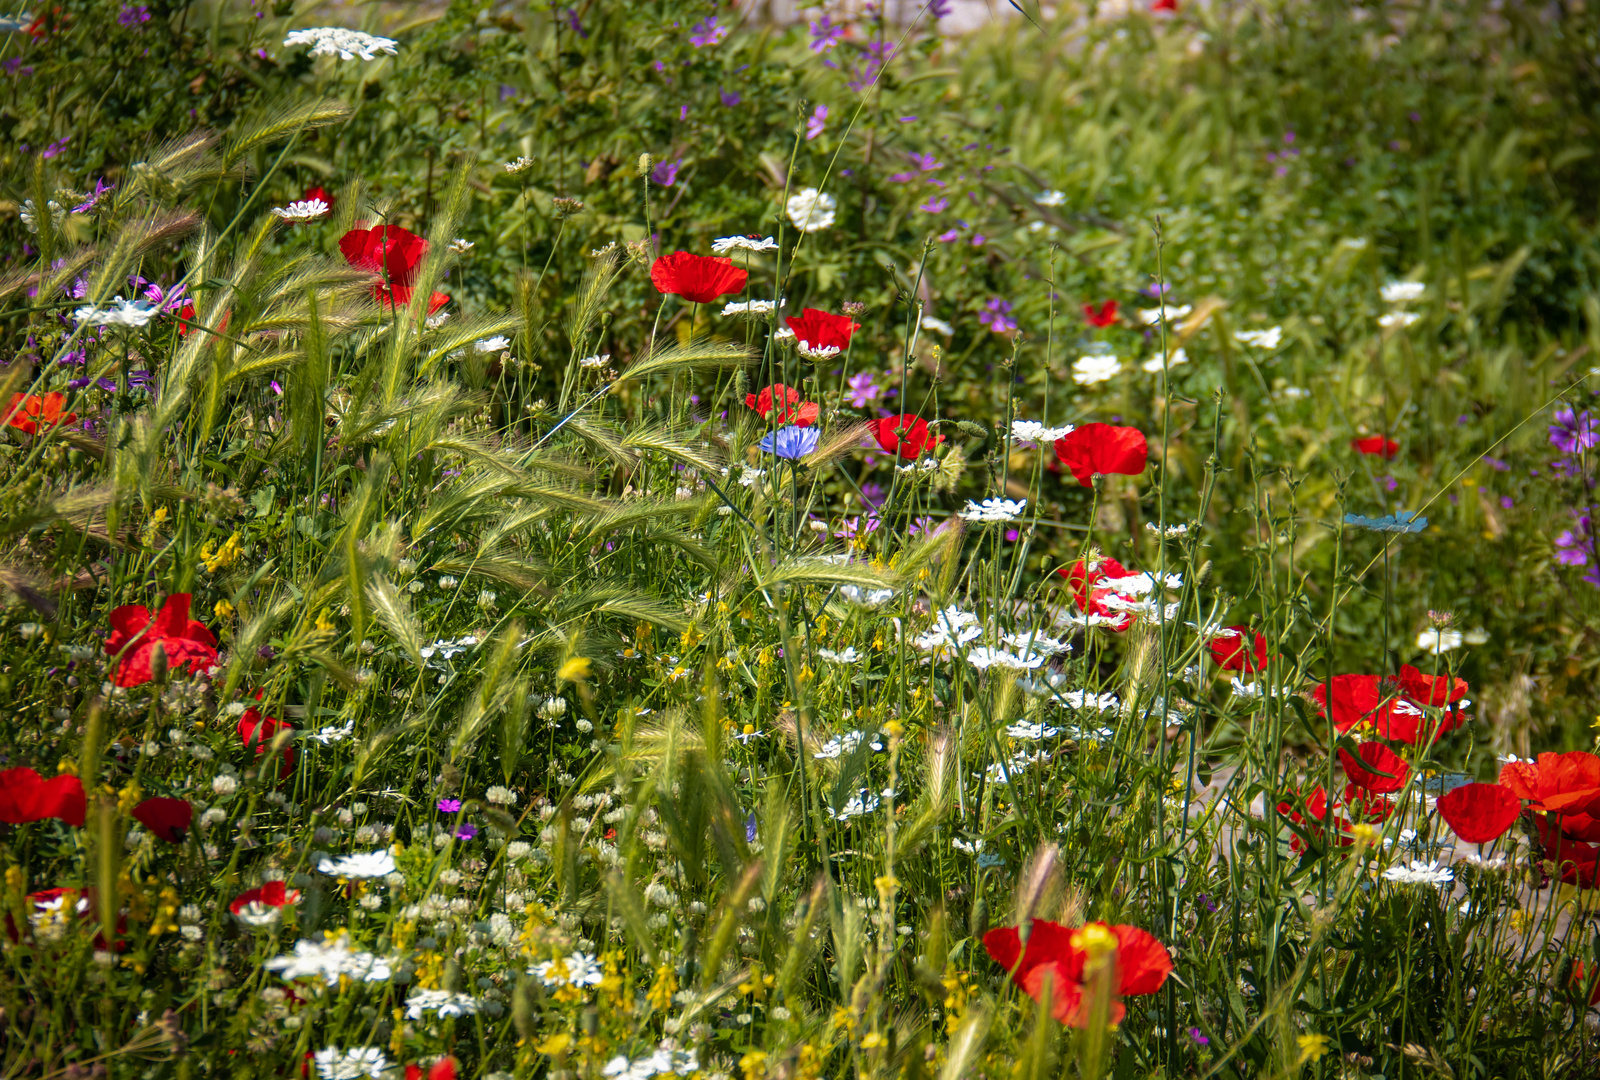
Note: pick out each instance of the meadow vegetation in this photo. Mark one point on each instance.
(630, 540)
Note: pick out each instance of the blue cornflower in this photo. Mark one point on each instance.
(790, 442)
(1401, 521)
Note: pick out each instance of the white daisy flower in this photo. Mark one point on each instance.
(1154, 365)
(1420, 873)
(1091, 370)
(1152, 315)
(306, 210)
(1402, 292)
(1269, 338)
(336, 1064)
(497, 343)
(1398, 320)
(752, 307)
(599, 360)
(122, 312)
(724, 244)
(994, 510)
(364, 864)
(1035, 432)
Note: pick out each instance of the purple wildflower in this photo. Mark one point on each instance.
(937, 204)
(1573, 431)
(996, 315)
(825, 34)
(1389, 483)
(1197, 1038)
(56, 147)
(1575, 546)
(864, 390)
(857, 527)
(101, 190)
(816, 122)
(449, 806)
(467, 831)
(872, 494)
(132, 16)
(574, 23)
(1507, 502)
(666, 172)
(707, 32)
(922, 526)
(729, 99)
(925, 162)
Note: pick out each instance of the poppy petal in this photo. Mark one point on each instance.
(1479, 812)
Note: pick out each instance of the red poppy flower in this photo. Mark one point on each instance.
(1556, 783)
(1355, 698)
(819, 332)
(1479, 812)
(318, 193)
(262, 905)
(167, 818)
(56, 906)
(1164, 5)
(904, 436)
(1402, 721)
(387, 249)
(1101, 449)
(699, 279)
(443, 1069)
(1085, 578)
(1430, 689)
(804, 414)
(28, 412)
(1578, 981)
(1103, 316)
(1142, 964)
(26, 796)
(187, 315)
(258, 730)
(1371, 758)
(186, 642)
(1575, 860)
(1229, 651)
(397, 297)
(1377, 444)
(1356, 803)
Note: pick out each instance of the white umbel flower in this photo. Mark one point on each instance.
(1051, 198)
(937, 326)
(306, 210)
(994, 510)
(724, 244)
(1397, 320)
(1152, 315)
(1420, 873)
(329, 961)
(982, 657)
(1035, 432)
(460, 246)
(751, 307)
(599, 360)
(1402, 292)
(811, 210)
(520, 164)
(1092, 370)
(1154, 364)
(846, 655)
(122, 312)
(336, 1064)
(1269, 338)
(498, 343)
(443, 1002)
(364, 864)
(340, 42)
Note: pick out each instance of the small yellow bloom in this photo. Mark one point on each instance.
(872, 1041)
(222, 610)
(1312, 1047)
(574, 669)
(1364, 833)
(554, 1044)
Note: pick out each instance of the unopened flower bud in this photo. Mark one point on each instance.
(645, 161)
(158, 663)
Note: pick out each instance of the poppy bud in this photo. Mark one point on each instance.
(1563, 979)
(158, 664)
(978, 925)
(977, 431)
(606, 319)
(524, 1015)
(645, 161)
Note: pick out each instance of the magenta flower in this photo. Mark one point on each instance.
(449, 806)
(825, 34)
(936, 205)
(925, 162)
(1572, 431)
(666, 172)
(996, 315)
(707, 32)
(863, 390)
(729, 100)
(467, 831)
(816, 122)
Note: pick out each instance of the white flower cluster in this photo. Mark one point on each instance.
(1019, 762)
(862, 802)
(1398, 320)
(811, 210)
(1269, 338)
(993, 510)
(846, 655)
(1151, 316)
(982, 657)
(1035, 642)
(498, 343)
(1035, 432)
(1402, 292)
(1420, 873)
(664, 1062)
(951, 629)
(1154, 364)
(752, 307)
(330, 961)
(367, 864)
(443, 1002)
(1084, 699)
(30, 213)
(120, 313)
(938, 326)
(1094, 369)
(336, 1064)
(340, 42)
(1033, 732)
(840, 745)
(724, 244)
(575, 969)
(864, 597)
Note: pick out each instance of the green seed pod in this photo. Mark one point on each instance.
(1562, 983)
(977, 431)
